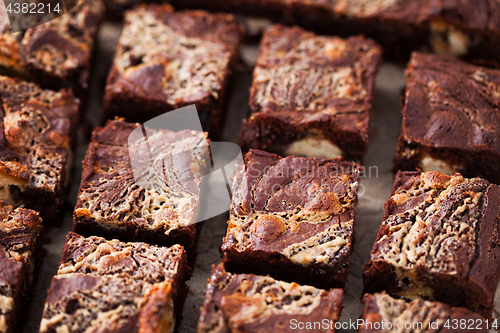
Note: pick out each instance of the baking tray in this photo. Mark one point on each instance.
(373, 191)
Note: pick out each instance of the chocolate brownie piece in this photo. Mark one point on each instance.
(439, 240)
(37, 127)
(58, 53)
(451, 118)
(166, 60)
(10, 60)
(20, 231)
(162, 206)
(252, 303)
(292, 218)
(123, 287)
(383, 313)
(311, 96)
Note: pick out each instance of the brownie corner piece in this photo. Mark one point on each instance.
(58, 54)
(292, 218)
(252, 303)
(166, 60)
(163, 209)
(132, 287)
(439, 241)
(20, 241)
(383, 312)
(311, 95)
(451, 121)
(37, 129)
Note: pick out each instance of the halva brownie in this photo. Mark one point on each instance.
(20, 231)
(292, 218)
(166, 60)
(37, 127)
(252, 303)
(56, 54)
(439, 241)
(382, 314)
(162, 205)
(116, 287)
(311, 95)
(451, 118)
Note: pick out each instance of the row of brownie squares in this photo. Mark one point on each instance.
(456, 27)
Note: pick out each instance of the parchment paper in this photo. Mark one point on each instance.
(374, 189)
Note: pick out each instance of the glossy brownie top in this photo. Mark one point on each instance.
(382, 307)
(177, 57)
(169, 168)
(65, 43)
(253, 303)
(306, 77)
(37, 127)
(301, 207)
(452, 104)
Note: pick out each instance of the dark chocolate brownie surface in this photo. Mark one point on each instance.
(166, 60)
(451, 118)
(438, 240)
(252, 303)
(36, 141)
(382, 313)
(19, 233)
(307, 86)
(292, 218)
(163, 206)
(124, 287)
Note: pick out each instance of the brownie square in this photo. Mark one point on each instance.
(122, 287)
(56, 54)
(112, 204)
(382, 313)
(439, 240)
(37, 127)
(252, 303)
(20, 231)
(311, 95)
(292, 218)
(166, 60)
(451, 118)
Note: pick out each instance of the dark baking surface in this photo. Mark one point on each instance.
(451, 112)
(292, 95)
(439, 237)
(186, 60)
(382, 307)
(252, 303)
(374, 189)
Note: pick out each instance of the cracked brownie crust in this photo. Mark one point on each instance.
(292, 218)
(451, 121)
(311, 95)
(20, 230)
(439, 240)
(35, 145)
(112, 204)
(166, 60)
(251, 303)
(383, 308)
(125, 287)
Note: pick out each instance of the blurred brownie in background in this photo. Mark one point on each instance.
(451, 118)
(311, 95)
(166, 60)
